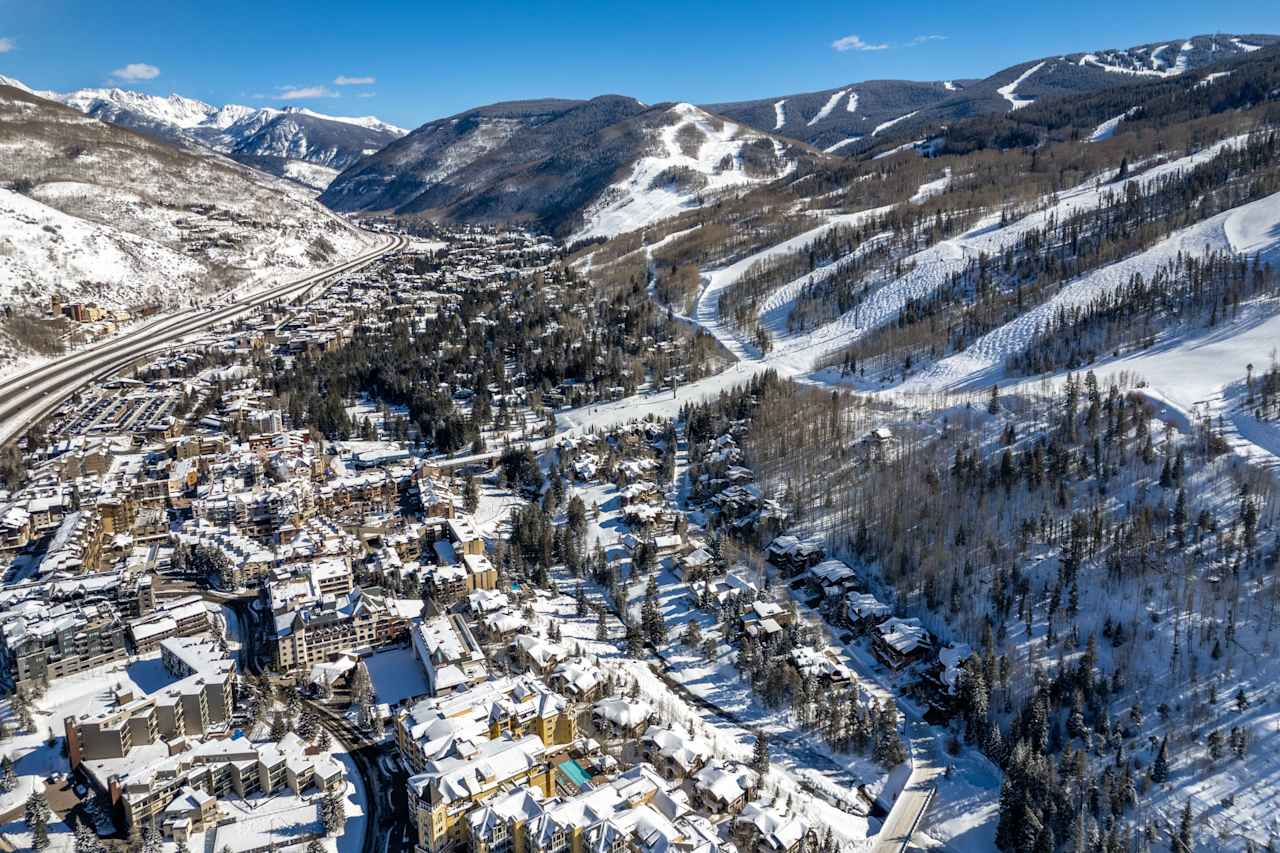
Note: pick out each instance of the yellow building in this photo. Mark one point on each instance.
(441, 796)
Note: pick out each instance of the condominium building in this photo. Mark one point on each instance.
(43, 642)
(447, 789)
(506, 707)
(319, 631)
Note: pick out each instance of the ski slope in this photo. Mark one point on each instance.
(827, 107)
(779, 114)
(831, 149)
(1009, 90)
(883, 126)
(1253, 229)
(644, 196)
(852, 106)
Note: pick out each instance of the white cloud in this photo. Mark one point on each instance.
(922, 39)
(136, 71)
(854, 42)
(7, 44)
(294, 92)
(366, 94)
(344, 80)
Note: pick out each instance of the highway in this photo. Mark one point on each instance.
(27, 397)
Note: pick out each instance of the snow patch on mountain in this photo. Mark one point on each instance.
(885, 125)
(831, 149)
(779, 114)
(827, 107)
(1009, 90)
(852, 106)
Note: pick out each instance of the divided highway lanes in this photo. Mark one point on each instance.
(26, 398)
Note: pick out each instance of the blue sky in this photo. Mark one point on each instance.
(409, 62)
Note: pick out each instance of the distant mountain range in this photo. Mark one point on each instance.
(582, 168)
(860, 116)
(609, 164)
(291, 142)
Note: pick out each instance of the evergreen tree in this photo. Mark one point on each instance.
(36, 815)
(8, 775)
(308, 725)
(152, 842)
(279, 728)
(471, 495)
(86, 840)
(1160, 769)
(1182, 842)
(760, 754)
(333, 814)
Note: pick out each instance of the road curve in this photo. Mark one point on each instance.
(26, 398)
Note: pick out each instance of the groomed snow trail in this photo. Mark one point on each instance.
(827, 107)
(1009, 90)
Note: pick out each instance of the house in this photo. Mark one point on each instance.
(766, 829)
(898, 643)
(622, 718)
(535, 654)
(577, 679)
(863, 610)
(724, 787)
(831, 578)
(694, 566)
(676, 752)
(823, 666)
(793, 556)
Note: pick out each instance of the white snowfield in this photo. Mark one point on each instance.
(126, 223)
(843, 143)
(311, 174)
(779, 114)
(827, 107)
(852, 106)
(1107, 129)
(636, 201)
(1180, 65)
(883, 126)
(189, 113)
(931, 188)
(1009, 90)
(1245, 46)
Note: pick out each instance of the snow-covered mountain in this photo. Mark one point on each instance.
(858, 116)
(267, 138)
(573, 167)
(90, 211)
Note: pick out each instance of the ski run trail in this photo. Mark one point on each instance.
(1187, 377)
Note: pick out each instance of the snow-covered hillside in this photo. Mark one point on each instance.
(694, 154)
(93, 212)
